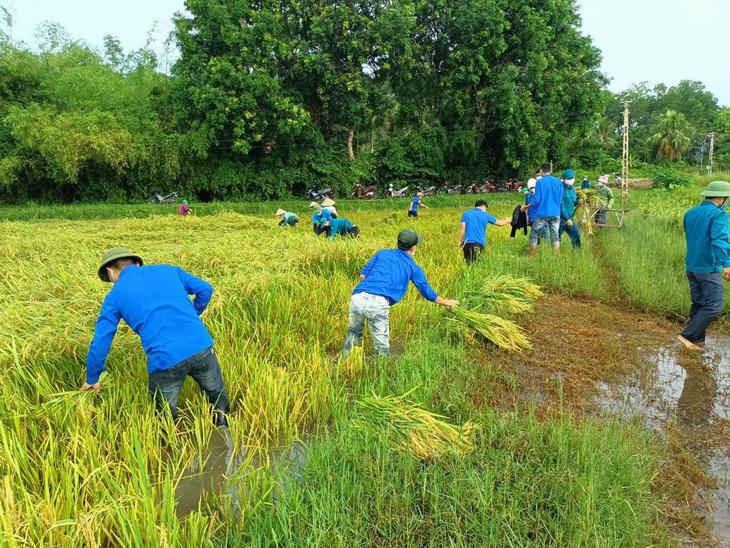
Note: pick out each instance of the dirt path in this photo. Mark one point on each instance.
(597, 359)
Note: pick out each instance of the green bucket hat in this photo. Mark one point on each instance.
(717, 189)
(409, 238)
(112, 255)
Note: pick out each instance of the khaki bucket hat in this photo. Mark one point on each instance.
(280, 212)
(112, 255)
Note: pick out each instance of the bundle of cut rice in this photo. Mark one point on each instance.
(414, 430)
(503, 333)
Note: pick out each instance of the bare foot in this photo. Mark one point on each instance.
(687, 344)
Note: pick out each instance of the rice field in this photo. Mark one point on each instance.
(86, 469)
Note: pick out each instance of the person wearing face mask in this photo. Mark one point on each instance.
(383, 282)
(567, 209)
(707, 261)
(155, 302)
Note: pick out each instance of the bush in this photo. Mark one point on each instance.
(668, 178)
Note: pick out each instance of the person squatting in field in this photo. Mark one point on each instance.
(413, 206)
(707, 261)
(154, 301)
(545, 208)
(473, 229)
(320, 217)
(343, 227)
(184, 209)
(287, 218)
(384, 282)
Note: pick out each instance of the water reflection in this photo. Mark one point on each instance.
(224, 469)
(692, 392)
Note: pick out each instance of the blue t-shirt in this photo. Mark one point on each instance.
(415, 203)
(387, 274)
(548, 197)
(476, 222)
(154, 301)
(706, 230)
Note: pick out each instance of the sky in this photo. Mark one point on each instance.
(654, 41)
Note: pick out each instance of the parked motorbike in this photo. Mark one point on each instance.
(428, 191)
(397, 192)
(368, 192)
(476, 188)
(451, 189)
(508, 186)
(314, 194)
(157, 198)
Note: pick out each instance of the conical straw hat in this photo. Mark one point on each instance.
(328, 202)
(313, 204)
(280, 211)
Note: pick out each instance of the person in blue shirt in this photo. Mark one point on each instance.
(287, 218)
(413, 206)
(567, 209)
(586, 184)
(707, 261)
(383, 282)
(154, 301)
(343, 227)
(473, 230)
(545, 208)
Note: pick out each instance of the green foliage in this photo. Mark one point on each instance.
(665, 177)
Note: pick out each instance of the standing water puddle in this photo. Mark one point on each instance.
(689, 391)
(210, 472)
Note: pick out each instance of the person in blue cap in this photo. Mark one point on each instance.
(707, 261)
(383, 282)
(155, 302)
(567, 209)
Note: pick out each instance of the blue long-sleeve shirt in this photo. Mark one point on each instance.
(547, 198)
(567, 206)
(706, 230)
(339, 226)
(387, 274)
(154, 301)
(322, 217)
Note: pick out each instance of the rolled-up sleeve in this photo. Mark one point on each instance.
(106, 328)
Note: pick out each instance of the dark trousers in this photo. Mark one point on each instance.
(708, 300)
(352, 232)
(472, 252)
(572, 231)
(205, 370)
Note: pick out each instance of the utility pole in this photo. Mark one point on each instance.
(709, 157)
(625, 166)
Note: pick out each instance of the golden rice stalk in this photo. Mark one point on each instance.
(505, 302)
(414, 430)
(503, 333)
(515, 286)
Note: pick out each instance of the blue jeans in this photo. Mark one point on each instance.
(553, 224)
(205, 370)
(572, 231)
(708, 300)
(376, 310)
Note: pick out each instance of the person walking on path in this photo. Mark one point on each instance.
(184, 209)
(384, 282)
(545, 208)
(287, 218)
(154, 301)
(605, 199)
(473, 230)
(343, 227)
(707, 261)
(567, 209)
(413, 206)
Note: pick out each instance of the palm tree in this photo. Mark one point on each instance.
(670, 139)
(604, 133)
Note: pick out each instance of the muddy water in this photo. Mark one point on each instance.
(690, 392)
(210, 472)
